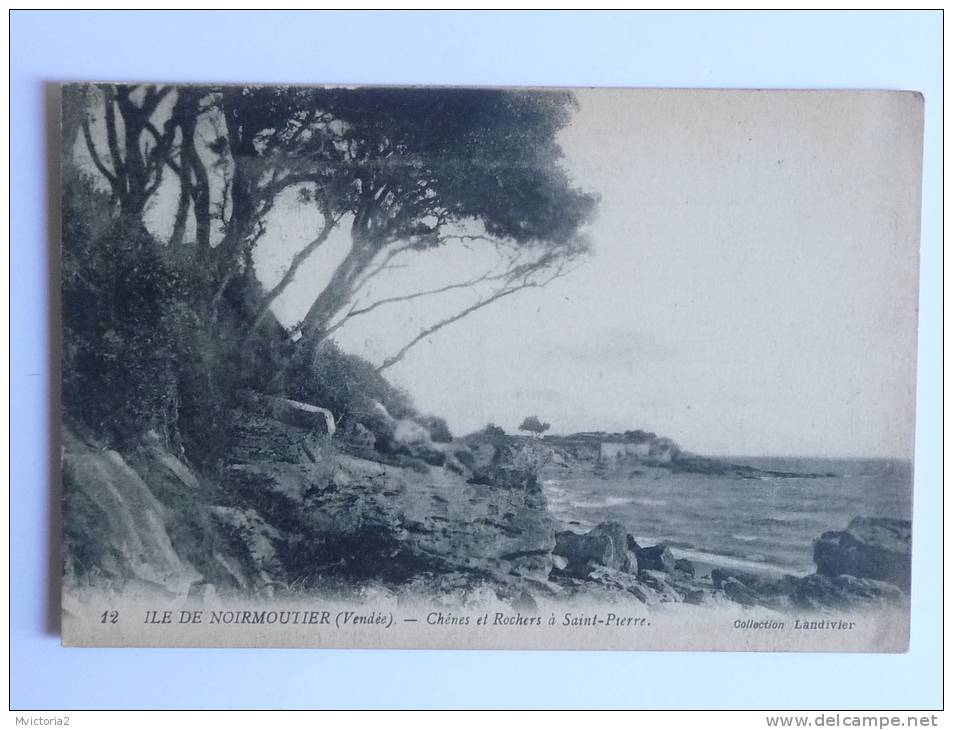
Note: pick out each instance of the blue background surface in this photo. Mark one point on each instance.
(827, 50)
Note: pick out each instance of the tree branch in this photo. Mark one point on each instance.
(396, 358)
(360, 283)
(94, 155)
(297, 260)
(163, 144)
(355, 312)
(112, 141)
(513, 285)
(153, 98)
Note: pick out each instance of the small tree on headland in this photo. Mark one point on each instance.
(491, 429)
(534, 426)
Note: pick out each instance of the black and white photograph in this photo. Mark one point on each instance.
(489, 368)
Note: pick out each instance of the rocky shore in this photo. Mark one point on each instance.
(867, 565)
(298, 509)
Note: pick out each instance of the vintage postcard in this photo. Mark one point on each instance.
(488, 368)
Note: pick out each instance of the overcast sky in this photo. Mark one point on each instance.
(752, 286)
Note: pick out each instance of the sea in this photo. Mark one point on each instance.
(764, 525)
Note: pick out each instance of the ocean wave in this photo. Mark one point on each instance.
(602, 502)
(750, 563)
(671, 543)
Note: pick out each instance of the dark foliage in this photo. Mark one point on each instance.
(486, 154)
(638, 436)
(439, 430)
(533, 425)
(161, 330)
(351, 389)
(120, 331)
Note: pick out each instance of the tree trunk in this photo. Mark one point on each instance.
(133, 120)
(289, 276)
(202, 203)
(228, 253)
(182, 211)
(341, 286)
(192, 167)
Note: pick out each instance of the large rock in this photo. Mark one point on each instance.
(685, 567)
(876, 548)
(358, 519)
(507, 477)
(281, 492)
(511, 465)
(254, 438)
(276, 513)
(115, 528)
(617, 580)
(819, 592)
(812, 592)
(750, 589)
(254, 548)
(720, 575)
(291, 412)
(606, 545)
(360, 437)
(739, 592)
(660, 582)
(657, 557)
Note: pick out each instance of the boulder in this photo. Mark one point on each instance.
(868, 592)
(659, 582)
(509, 464)
(694, 596)
(819, 592)
(360, 437)
(604, 545)
(383, 522)
(812, 592)
(617, 580)
(875, 548)
(507, 477)
(434, 457)
(763, 584)
(739, 593)
(291, 412)
(412, 439)
(114, 526)
(657, 557)
(254, 540)
(254, 438)
(685, 567)
(718, 577)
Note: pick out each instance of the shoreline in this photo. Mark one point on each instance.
(704, 560)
